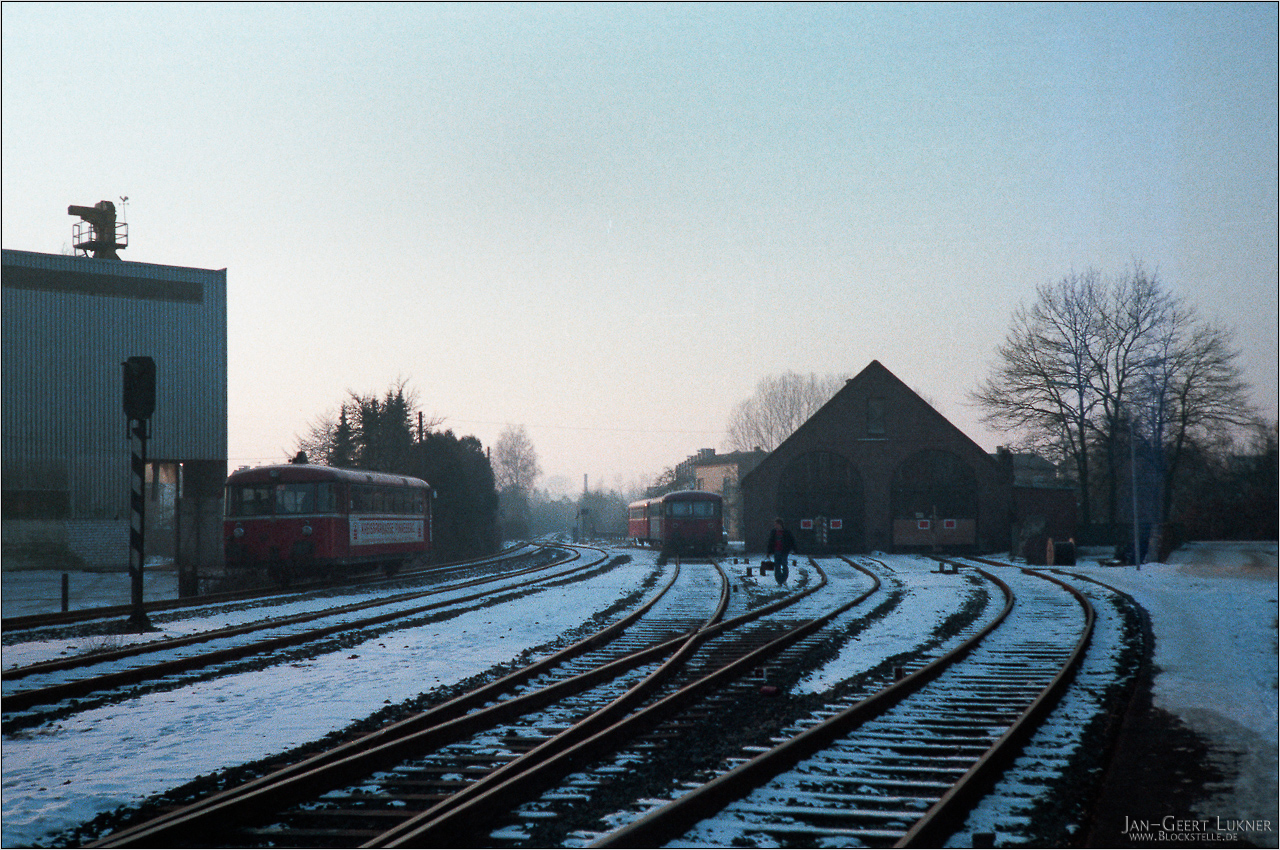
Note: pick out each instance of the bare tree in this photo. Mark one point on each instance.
(318, 444)
(515, 469)
(1133, 311)
(1108, 365)
(780, 405)
(332, 442)
(515, 462)
(1190, 391)
(673, 478)
(1044, 388)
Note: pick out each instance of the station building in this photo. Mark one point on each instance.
(722, 474)
(878, 469)
(68, 324)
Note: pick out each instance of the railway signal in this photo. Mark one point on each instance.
(139, 404)
(139, 388)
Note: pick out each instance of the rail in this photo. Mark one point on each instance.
(25, 699)
(427, 730)
(432, 730)
(61, 618)
(675, 818)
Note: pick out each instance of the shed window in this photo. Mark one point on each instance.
(875, 417)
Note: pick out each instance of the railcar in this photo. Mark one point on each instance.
(299, 521)
(685, 522)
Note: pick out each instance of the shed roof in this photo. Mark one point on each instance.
(875, 369)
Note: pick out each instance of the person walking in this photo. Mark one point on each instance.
(780, 546)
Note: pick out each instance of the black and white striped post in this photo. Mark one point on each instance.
(139, 404)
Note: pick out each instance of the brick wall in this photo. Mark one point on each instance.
(66, 544)
(876, 423)
(100, 543)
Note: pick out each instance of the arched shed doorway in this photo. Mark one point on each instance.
(820, 498)
(934, 500)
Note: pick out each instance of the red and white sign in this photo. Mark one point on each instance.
(836, 524)
(922, 524)
(379, 531)
(949, 523)
(806, 524)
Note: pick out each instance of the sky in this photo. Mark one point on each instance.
(607, 223)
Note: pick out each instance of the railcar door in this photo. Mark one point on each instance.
(707, 525)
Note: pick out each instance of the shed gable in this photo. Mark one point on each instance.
(892, 448)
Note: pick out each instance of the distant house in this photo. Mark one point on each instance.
(877, 468)
(1030, 469)
(722, 474)
(1043, 505)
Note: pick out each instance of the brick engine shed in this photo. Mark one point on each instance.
(878, 469)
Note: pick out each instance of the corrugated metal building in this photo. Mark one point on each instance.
(68, 323)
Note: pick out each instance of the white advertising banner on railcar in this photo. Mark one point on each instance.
(379, 531)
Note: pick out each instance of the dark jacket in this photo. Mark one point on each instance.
(785, 546)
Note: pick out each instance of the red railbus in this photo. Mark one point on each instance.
(300, 520)
(685, 522)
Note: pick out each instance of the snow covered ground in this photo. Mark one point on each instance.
(61, 774)
(929, 597)
(40, 591)
(1213, 610)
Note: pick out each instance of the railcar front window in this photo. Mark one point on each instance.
(295, 498)
(326, 497)
(249, 500)
(681, 508)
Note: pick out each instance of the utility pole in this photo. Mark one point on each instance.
(1133, 477)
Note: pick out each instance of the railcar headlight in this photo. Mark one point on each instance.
(238, 532)
(306, 531)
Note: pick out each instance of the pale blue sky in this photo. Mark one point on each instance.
(608, 222)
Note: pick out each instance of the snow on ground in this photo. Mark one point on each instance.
(40, 591)
(208, 618)
(1213, 611)
(62, 774)
(929, 597)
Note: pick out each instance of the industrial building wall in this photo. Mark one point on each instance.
(67, 324)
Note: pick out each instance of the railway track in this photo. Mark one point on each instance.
(67, 678)
(656, 630)
(900, 767)
(571, 753)
(446, 769)
(1052, 793)
(27, 622)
